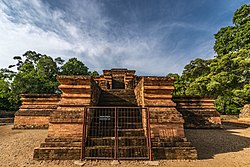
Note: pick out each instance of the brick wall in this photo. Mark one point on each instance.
(31, 122)
(198, 112)
(66, 123)
(35, 111)
(166, 123)
(68, 118)
(245, 113)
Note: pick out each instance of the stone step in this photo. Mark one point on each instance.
(172, 144)
(65, 139)
(130, 125)
(110, 125)
(131, 132)
(122, 104)
(118, 90)
(60, 144)
(117, 99)
(174, 153)
(94, 132)
(55, 153)
(100, 152)
(122, 141)
(122, 152)
(118, 93)
(110, 132)
(121, 123)
(120, 110)
(120, 97)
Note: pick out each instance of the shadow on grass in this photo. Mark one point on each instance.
(210, 142)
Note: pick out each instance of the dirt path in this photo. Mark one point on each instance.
(225, 147)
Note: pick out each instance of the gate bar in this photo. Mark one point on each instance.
(83, 134)
(149, 136)
(116, 140)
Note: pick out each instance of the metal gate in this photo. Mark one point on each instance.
(116, 133)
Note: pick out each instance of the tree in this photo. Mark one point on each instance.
(232, 38)
(196, 68)
(94, 73)
(179, 86)
(227, 76)
(74, 67)
(36, 73)
(5, 91)
(229, 80)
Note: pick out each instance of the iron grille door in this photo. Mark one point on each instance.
(116, 133)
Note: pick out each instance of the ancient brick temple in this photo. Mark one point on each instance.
(116, 116)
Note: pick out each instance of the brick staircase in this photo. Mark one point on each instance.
(58, 148)
(118, 97)
(131, 139)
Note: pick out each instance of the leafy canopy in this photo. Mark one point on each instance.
(36, 73)
(227, 76)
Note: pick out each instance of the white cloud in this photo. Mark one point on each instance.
(82, 30)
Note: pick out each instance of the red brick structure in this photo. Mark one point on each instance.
(35, 111)
(198, 112)
(245, 113)
(121, 88)
(66, 123)
(167, 132)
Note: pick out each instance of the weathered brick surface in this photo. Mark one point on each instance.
(35, 111)
(31, 122)
(106, 81)
(62, 130)
(55, 153)
(166, 123)
(245, 113)
(198, 112)
(5, 121)
(154, 93)
(66, 123)
(175, 153)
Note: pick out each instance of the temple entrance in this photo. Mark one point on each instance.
(116, 133)
(118, 82)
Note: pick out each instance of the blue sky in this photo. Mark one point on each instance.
(153, 37)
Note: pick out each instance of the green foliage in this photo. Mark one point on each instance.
(36, 73)
(74, 67)
(227, 76)
(178, 84)
(233, 38)
(195, 69)
(5, 91)
(4, 95)
(94, 73)
(242, 15)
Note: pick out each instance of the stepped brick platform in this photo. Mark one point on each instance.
(35, 111)
(198, 112)
(65, 127)
(245, 113)
(166, 123)
(107, 117)
(6, 121)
